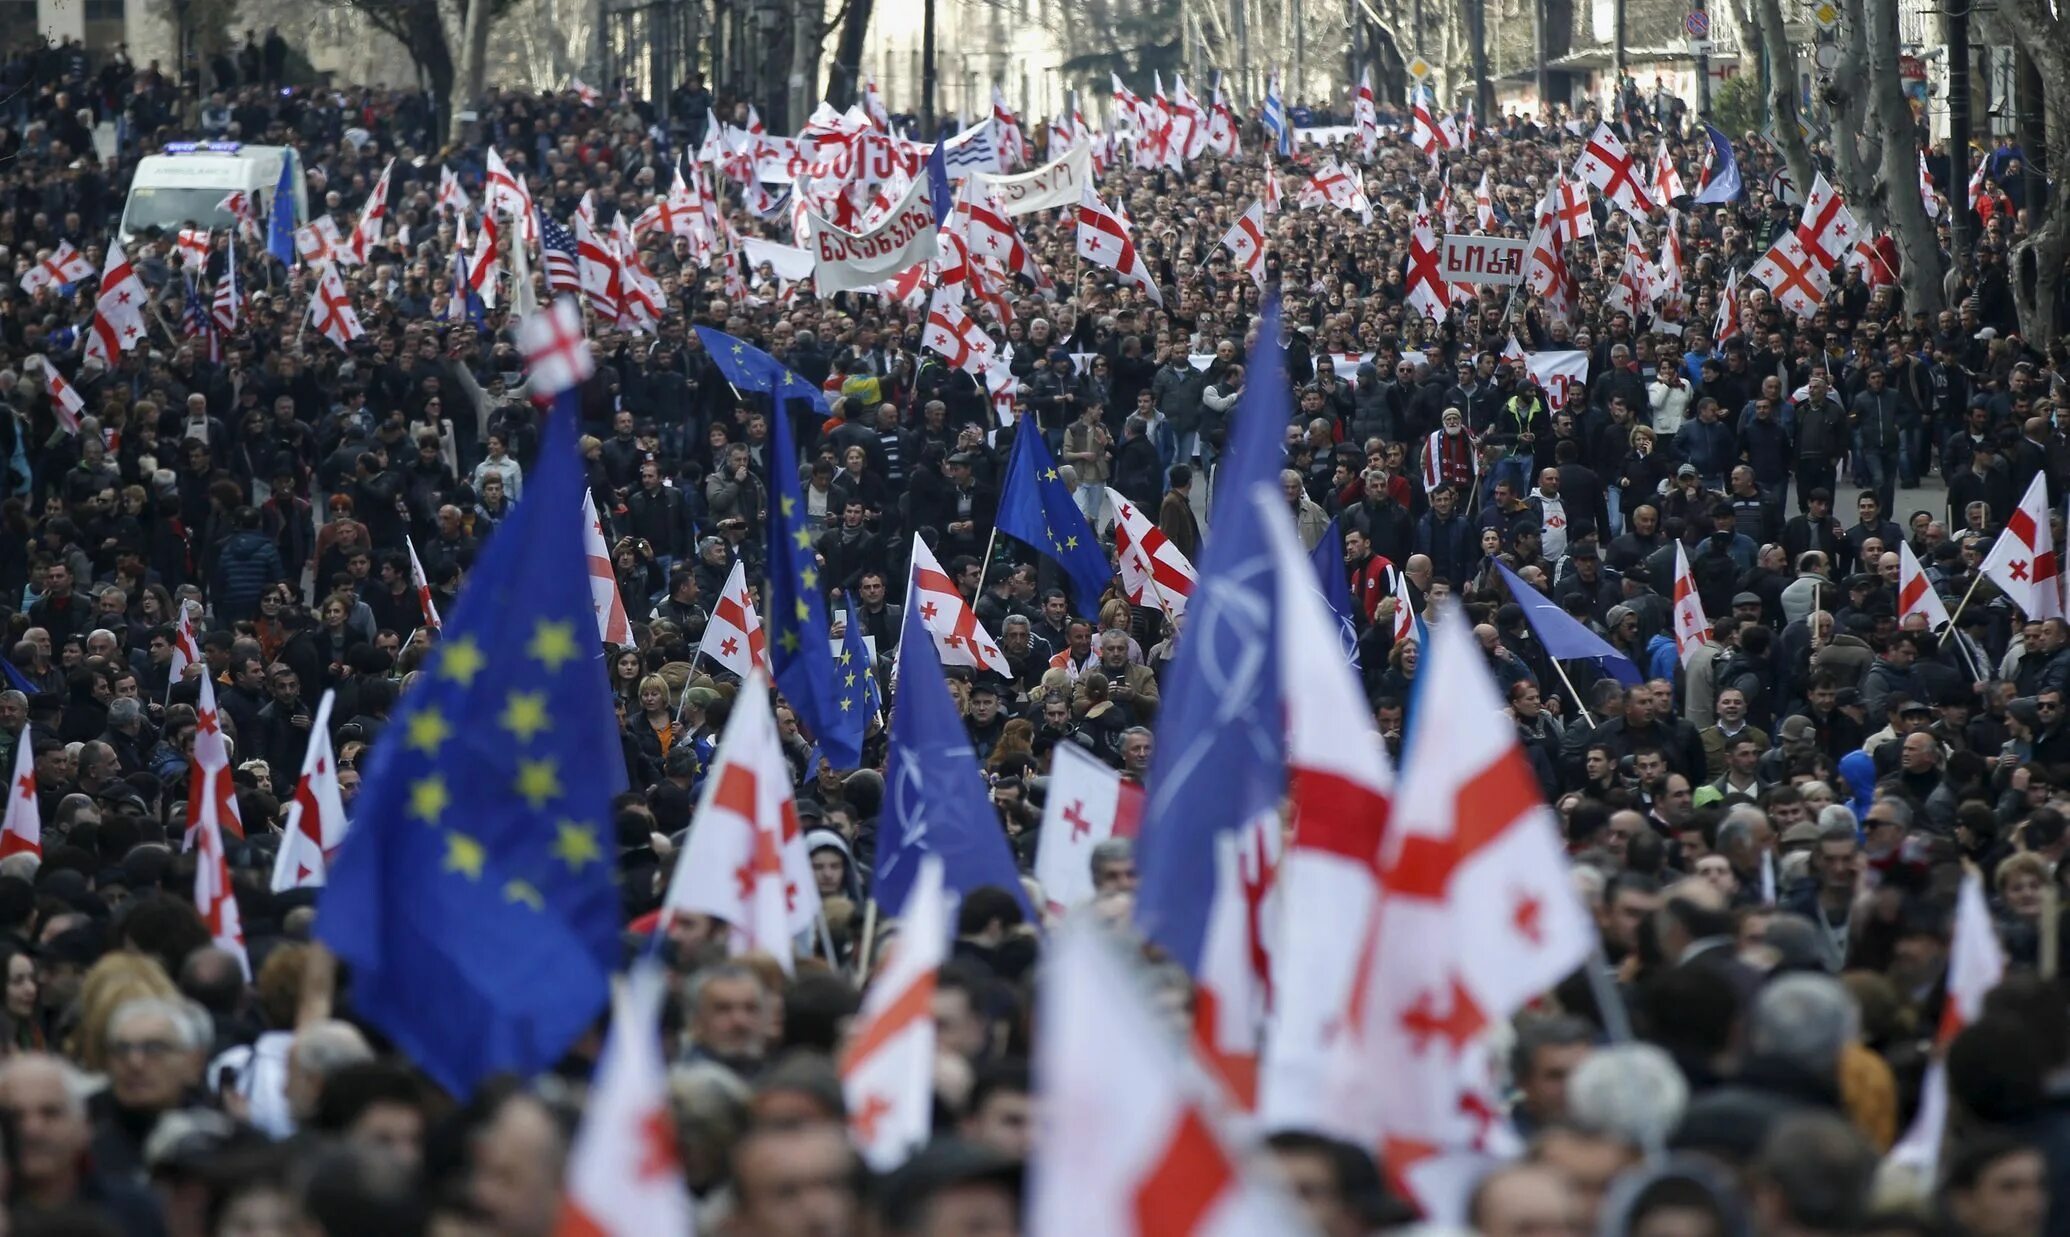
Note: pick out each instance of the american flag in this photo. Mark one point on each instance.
(557, 244)
(227, 298)
(195, 324)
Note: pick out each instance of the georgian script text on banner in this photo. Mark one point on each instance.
(1482, 259)
(1056, 183)
(845, 261)
(1562, 374)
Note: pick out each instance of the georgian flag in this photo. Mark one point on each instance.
(65, 265)
(733, 636)
(1245, 241)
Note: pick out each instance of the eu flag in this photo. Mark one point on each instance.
(749, 368)
(1034, 507)
(1219, 760)
(935, 798)
(801, 655)
(474, 898)
(856, 694)
(280, 220)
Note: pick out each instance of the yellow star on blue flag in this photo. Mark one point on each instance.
(476, 942)
(801, 655)
(1035, 508)
(749, 368)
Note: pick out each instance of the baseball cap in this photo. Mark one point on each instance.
(1686, 470)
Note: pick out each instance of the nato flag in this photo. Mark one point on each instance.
(1220, 759)
(474, 898)
(935, 798)
(1565, 636)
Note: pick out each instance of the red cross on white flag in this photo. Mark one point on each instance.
(2022, 562)
(331, 311)
(316, 816)
(733, 637)
(1613, 171)
(959, 637)
(556, 349)
(1797, 280)
(1692, 628)
(64, 265)
(1828, 228)
(21, 831)
(1246, 241)
(1087, 804)
(887, 1066)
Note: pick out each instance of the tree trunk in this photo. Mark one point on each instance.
(2038, 261)
(1782, 82)
(474, 56)
(1916, 238)
(844, 76)
(808, 33)
(1856, 148)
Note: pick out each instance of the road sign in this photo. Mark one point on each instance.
(1697, 24)
(1419, 68)
(1699, 47)
(1825, 15)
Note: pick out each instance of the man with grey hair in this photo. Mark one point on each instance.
(14, 723)
(1114, 866)
(43, 1098)
(155, 1048)
(1827, 900)
(1130, 685)
(123, 736)
(1797, 1030)
(1634, 1093)
(99, 767)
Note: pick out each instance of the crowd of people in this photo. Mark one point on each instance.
(1770, 838)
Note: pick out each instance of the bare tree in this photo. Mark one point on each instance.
(1782, 76)
(1914, 232)
(1857, 139)
(2038, 259)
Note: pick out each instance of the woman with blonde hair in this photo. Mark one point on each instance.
(117, 978)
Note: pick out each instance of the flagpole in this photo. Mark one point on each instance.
(1562, 670)
(1959, 606)
(869, 941)
(826, 938)
(985, 567)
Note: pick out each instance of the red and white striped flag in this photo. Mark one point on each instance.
(64, 265)
(745, 863)
(624, 1177)
(1087, 803)
(1132, 1143)
(1154, 572)
(1915, 594)
(21, 831)
(1692, 628)
(958, 635)
(887, 1066)
(316, 816)
(733, 636)
(228, 299)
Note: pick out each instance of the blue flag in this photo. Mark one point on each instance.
(1034, 507)
(749, 368)
(474, 898)
(1564, 636)
(1725, 185)
(801, 654)
(939, 194)
(856, 694)
(1220, 759)
(15, 678)
(935, 798)
(1273, 116)
(280, 220)
(1335, 585)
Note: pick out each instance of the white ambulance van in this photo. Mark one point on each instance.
(184, 187)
